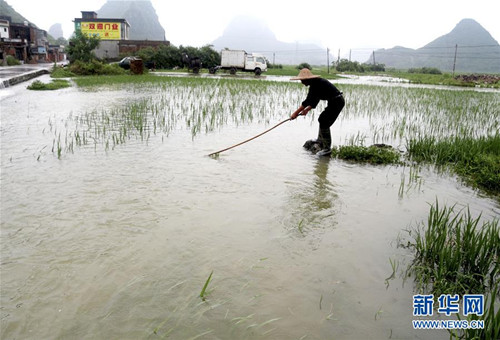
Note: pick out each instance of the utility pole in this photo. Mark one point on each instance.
(373, 57)
(455, 60)
(350, 54)
(274, 59)
(338, 58)
(328, 60)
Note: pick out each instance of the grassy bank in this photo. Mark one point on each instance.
(475, 160)
(372, 154)
(443, 79)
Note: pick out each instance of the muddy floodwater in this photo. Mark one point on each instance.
(115, 237)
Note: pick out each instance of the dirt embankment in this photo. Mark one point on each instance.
(478, 78)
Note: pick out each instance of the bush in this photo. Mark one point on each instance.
(425, 70)
(61, 72)
(168, 57)
(304, 65)
(374, 67)
(345, 65)
(95, 67)
(11, 61)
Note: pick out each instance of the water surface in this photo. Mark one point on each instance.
(117, 243)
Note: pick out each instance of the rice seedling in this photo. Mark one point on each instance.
(301, 227)
(454, 254)
(411, 118)
(204, 289)
(491, 318)
(200, 105)
(394, 266)
(414, 180)
(378, 313)
(201, 334)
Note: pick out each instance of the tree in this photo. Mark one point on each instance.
(345, 65)
(81, 47)
(209, 56)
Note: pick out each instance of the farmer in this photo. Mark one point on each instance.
(320, 89)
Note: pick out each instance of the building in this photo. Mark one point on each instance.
(25, 41)
(4, 29)
(114, 36)
(105, 29)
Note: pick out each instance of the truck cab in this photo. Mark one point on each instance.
(255, 63)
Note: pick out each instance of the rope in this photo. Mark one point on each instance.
(248, 140)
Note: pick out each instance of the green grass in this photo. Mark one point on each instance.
(436, 79)
(455, 253)
(475, 160)
(56, 84)
(371, 154)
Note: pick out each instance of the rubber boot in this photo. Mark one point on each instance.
(326, 142)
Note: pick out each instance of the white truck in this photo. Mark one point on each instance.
(239, 60)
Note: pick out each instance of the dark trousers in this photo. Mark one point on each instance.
(327, 118)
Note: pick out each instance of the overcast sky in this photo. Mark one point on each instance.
(336, 24)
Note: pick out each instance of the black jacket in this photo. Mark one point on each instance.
(320, 89)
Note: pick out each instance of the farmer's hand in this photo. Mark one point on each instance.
(305, 111)
(297, 112)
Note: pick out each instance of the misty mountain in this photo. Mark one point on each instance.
(476, 51)
(140, 14)
(56, 31)
(253, 35)
(7, 11)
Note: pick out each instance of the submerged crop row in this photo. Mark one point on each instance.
(155, 105)
(164, 104)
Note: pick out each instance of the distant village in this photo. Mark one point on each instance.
(29, 44)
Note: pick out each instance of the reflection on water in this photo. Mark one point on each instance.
(118, 242)
(312, 201)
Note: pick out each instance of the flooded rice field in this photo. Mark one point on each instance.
(113, 217)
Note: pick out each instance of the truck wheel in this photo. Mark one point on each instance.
(196, 70)
(212, 70)
(258, 71)
(232, 71)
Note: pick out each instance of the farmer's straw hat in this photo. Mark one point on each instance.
(305, 73)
